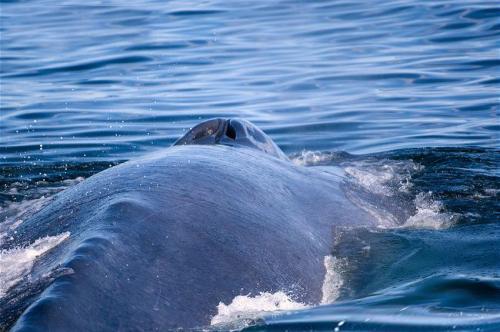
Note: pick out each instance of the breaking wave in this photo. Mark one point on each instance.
(244, 310)
(16, 263)
(383, 188)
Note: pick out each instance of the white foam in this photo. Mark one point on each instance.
(385, 177)
(311, 158)
(246, 308)
(390, 178)
(429, 214)
(250, 307)
(487, 193)
(14, 213)
(333, 279)
(16, 263)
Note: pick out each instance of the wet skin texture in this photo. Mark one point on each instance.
(158, 242)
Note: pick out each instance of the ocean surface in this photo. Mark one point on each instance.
(401, 95)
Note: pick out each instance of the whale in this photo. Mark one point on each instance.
(157, 242)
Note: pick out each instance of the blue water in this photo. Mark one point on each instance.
(85, 86)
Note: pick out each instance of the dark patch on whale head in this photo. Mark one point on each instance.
(232, 132)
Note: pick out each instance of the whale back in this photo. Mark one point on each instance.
(158, 243)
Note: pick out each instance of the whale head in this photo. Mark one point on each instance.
(232, 132)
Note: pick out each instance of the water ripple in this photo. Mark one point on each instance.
(315, 75)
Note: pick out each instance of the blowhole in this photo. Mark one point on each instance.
(230, 132)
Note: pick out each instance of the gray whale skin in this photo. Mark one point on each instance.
(156, 243)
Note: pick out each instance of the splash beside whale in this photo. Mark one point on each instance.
(159, 242)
